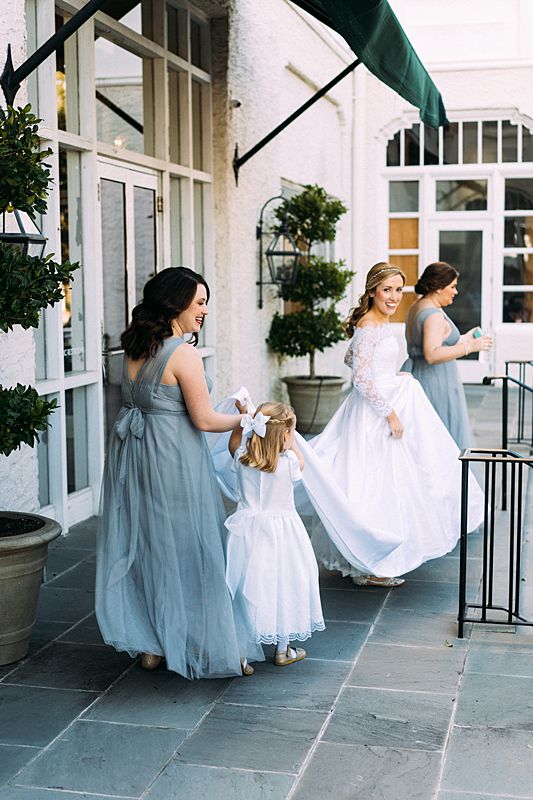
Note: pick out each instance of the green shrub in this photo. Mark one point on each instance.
(27, 285)
(24, 177)
(315, 324)
(22, 415)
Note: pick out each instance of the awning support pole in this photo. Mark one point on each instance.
(11, 78)
(238, 161)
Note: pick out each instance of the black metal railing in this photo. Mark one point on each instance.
(501, 573)
(524, 417)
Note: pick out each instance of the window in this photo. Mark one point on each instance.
(73, 312)
(517, 301)
(461, 195)
(123, 97)
(67, 82)
(404, 237)
(485, 142)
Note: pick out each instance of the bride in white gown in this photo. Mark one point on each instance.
(387, 450)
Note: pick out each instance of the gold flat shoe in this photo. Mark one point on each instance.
(246, 668)
(284, 659)
(149, 661)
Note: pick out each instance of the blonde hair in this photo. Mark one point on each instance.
(262, 452)
(375, 276)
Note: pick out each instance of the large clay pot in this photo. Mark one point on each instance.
(22, 559)
(314, 400)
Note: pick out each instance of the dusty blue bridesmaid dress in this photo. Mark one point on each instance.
(160, 583)
(441, 382)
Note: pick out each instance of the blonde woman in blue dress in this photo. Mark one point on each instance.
(271, 568)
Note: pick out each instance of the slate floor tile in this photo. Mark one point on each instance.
(82, 576)
(254, 738)
(496, 702)
(182, 781)
(426, 595)
(72, 666)
(445, 570)
(309, 684)
(341, 641)
(84, 632)
(489, 760)
(62, 558)
(64, 605)
(27, 793)
(103, 758)
(463, 796)
(350, 606)
(426, 628)
(413, 721)
(45, 631)
(332, 579)
(82, 535)
(31, 716)
(157, 698)
(341, 772)
(499, 660)
(12, 759)
(421, 669)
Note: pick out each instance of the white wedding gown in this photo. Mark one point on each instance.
(409, 487)
(380, 505)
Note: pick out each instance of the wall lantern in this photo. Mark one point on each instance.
(20, 230)
(282, 255)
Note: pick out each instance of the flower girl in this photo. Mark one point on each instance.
(271, 568)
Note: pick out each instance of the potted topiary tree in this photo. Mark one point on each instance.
(27, 285)
(313, 323)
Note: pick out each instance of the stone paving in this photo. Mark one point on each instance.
(389, 704)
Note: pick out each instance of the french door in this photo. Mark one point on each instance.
(467, 245)
(128, 204)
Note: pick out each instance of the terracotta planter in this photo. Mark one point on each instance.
(22, 558)
(314, 400)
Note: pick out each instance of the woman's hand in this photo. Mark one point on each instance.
(395, 425)
(481, 343)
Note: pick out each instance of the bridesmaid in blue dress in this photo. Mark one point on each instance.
(434, 344)
(160, 584)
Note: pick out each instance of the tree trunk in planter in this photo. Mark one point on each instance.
(22, 559)
(314, 400)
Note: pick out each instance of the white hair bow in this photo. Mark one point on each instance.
(255, 424)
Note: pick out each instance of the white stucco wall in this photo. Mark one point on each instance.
(276, 61)
(18, 472)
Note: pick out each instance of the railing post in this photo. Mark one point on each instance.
(463, 548)
(505, 438)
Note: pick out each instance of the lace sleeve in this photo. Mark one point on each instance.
(362, 349)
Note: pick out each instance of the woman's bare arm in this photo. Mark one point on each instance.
(186, 366)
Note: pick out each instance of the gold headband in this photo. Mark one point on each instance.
(385, 269)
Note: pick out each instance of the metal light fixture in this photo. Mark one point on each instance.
(27, 237)
(282, 254)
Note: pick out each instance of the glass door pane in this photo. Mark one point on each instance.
(144, 229)
(464, 250)
(129, 259)
(467, 247)
(113, 209)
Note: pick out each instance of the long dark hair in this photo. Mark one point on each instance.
(165, 296)
(436, 276)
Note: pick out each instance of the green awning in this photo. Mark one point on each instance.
(373, 32)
